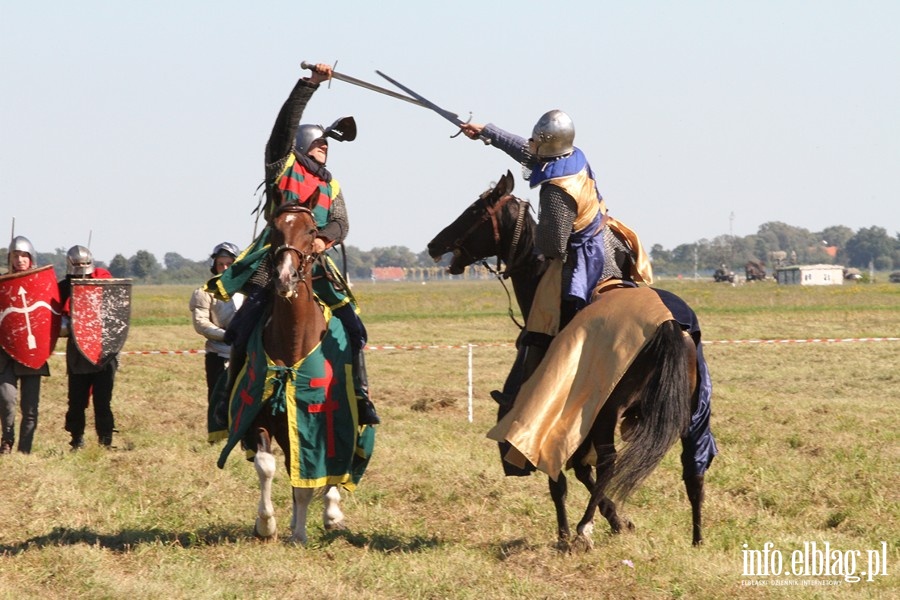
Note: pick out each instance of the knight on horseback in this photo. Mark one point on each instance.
(295, 168)
(581, 244)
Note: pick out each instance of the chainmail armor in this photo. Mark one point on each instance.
(338, 226)
(558, 212)
(619, 257)
(263, 274)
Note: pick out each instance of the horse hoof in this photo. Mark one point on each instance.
(268, 533)
(264, 538)
(338, 526)
(582, 543)
(623, 526)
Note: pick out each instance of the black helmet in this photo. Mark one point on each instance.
(342, 130)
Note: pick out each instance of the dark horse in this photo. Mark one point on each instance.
(655, 399)
(299, 389)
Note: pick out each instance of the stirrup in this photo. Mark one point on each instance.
(502, 398)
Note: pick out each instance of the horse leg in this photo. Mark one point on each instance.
(601, 501)
(558, 492)
(301, 499)
(264, 463)
(694, 487)
(602, 437)
(585, 528)
(585, 474)
(332, 514)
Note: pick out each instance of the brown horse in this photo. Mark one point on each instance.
(296, 327)
(652, 403)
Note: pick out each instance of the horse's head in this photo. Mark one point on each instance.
(293, 233)
(475, 234)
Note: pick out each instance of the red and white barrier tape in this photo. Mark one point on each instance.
(508, 344)
(806, 341)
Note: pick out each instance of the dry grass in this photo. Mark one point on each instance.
(808, 435)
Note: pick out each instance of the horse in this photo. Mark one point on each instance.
(297, 332)
(657, 400)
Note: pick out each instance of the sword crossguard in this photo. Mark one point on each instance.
(466, 122)
(333, 69)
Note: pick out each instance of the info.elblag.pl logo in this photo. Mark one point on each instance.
(813, 560)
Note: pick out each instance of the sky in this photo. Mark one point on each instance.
(141, 125)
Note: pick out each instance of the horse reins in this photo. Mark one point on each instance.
(306, 258)
(491, 213)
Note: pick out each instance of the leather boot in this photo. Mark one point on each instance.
(367, 414)
(106, 440)
(7, 440)
(238, 333)
(77, 442)
(530, 361)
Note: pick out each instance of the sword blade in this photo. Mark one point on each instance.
(375, 88)
(367, 85)
(452, 117)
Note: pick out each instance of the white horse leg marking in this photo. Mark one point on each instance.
(585, 537)
(301, 499)
(264, 463)
(333, 516)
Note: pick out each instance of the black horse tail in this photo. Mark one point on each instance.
(660, 416)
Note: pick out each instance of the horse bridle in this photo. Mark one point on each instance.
(491, 212)
(305, 257)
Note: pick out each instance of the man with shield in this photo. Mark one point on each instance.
(29, 326)
(97, 318)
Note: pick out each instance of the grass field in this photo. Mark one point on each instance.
(807, 432)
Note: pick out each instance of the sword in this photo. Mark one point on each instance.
(452, 117)
(366, 85)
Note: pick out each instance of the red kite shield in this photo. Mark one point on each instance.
(100, 312)
(30, 314)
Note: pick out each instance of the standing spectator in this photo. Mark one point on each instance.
(211, 317)
(21, 258)
(85, 378)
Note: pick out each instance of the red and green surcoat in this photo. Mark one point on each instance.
(297, 184)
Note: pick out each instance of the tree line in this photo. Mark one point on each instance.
(869, 247)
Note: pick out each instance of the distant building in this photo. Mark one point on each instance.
(388, 274)
(810, 275)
